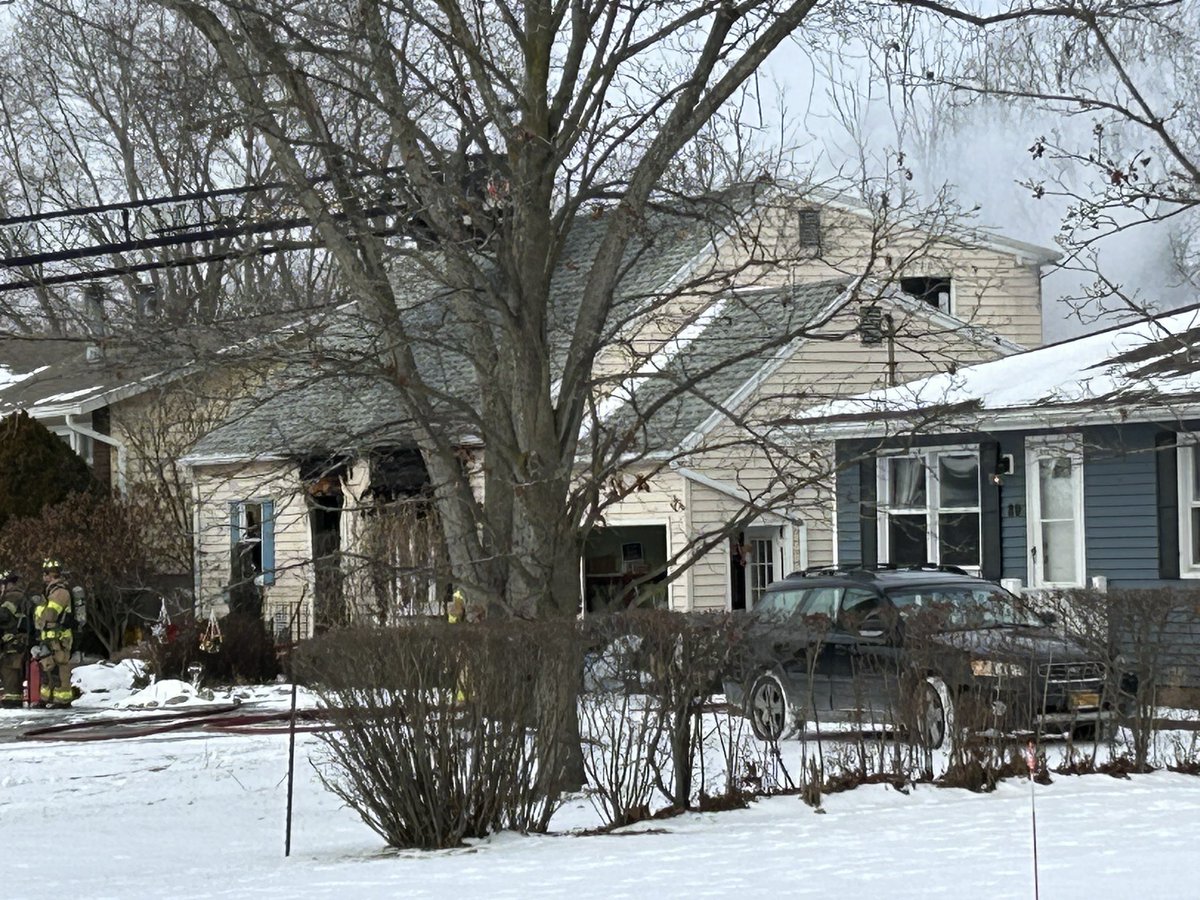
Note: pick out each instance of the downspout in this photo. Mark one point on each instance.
(104, 439)
(189, 472)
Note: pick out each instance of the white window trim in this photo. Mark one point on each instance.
(80, 444)
(1189, 445)
(933, 498)
(782, 536)
(1035, 448)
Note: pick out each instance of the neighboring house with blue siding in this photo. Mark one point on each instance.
(1073, 465)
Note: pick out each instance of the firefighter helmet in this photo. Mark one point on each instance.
(8, 576)
(50, 564)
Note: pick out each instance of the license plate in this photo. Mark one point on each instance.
(1084, 699)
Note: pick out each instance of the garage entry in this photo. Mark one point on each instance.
(625, 566)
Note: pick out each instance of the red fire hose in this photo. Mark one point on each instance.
(221, 719)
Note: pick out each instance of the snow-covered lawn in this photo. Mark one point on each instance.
(202, 815)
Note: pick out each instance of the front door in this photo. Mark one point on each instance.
(1055, 506)
(761, 563)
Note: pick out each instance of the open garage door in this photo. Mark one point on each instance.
(625, 566)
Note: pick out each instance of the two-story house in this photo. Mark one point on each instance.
(723, 323)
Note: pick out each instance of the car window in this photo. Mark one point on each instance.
(857, 603)
(964, 606)
(822, 602)
(782, 603)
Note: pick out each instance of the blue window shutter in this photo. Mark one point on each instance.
(1167, 478)
(235, 523)
(868, 513)
(268, 542)
(991, 549)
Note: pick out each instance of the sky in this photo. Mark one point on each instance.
(982, 160)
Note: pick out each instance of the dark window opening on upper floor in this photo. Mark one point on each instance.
(931, 289)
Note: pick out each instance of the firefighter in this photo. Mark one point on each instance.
(54, 618)
(458, 608)
(456, 615)
(14, 640)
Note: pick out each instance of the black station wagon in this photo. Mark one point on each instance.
(915, 648)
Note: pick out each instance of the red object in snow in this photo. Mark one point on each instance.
(33, 683)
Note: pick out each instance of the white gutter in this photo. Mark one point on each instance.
(1029, 418)
(110, 441)
(222, 459)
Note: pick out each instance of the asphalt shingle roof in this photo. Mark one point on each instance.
(743, 332)
(41, 372)
(332, 405)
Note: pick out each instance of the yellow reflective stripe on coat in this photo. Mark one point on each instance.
(54, 605)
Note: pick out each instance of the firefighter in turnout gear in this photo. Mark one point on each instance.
(14, 640)
(53, 618)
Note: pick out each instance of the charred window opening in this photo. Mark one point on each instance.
(405, 562)
(398, 474)
(323, 481)
(252, 551)
(932, 289)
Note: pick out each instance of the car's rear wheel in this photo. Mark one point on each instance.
(769, 710)
(935, 714)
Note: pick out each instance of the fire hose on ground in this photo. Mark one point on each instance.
(223, 719)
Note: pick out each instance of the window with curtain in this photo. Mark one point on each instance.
(930, 508)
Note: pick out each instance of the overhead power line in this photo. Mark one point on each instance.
(125, 229)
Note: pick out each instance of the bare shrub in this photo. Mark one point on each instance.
(618, 723)
(1185, 754)
(685, 656)
(1136, 634)
(102, 543)
(247, 652)
(444, 732)
(648, 719)
(739, 779)
(1145, 649)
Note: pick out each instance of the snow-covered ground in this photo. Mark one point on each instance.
(202, 815)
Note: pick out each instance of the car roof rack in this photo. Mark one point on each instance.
(866, 571)
(937, 567)
(855, 571)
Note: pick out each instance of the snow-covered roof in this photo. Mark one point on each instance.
(49, 375)
(1132, 372)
